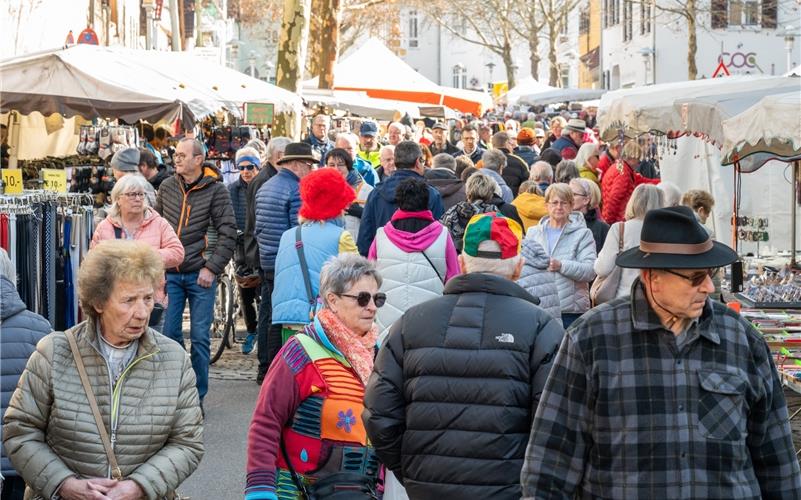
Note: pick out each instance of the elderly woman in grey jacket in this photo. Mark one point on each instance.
(142, 381)
(571, 250)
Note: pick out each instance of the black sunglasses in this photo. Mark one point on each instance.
(248, 167)
(696, 279)
(364, 298)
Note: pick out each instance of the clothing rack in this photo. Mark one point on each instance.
(46, 235)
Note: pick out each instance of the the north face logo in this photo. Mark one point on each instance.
(506, 338)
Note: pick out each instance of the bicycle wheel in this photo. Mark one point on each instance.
(221, 324)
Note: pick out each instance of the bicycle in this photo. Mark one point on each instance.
(226, 304)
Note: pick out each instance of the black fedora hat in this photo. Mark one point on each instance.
(298, 151)
(672, 238)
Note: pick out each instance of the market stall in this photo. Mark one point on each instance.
(397, 81)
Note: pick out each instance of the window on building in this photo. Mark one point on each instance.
(735, 13)
(616, 4)
(769, 14)
(751, 13)
(564, 75)
(628, 9)
(459, 77)
(611, 12)
(584, 21)
(645, 18)
(719, 14)
(563, 24)
(413, 41)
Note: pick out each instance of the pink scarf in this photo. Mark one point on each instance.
(358, 350)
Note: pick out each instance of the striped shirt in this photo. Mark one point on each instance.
(628, 414)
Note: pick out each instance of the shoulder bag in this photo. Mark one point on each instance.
(338, 486)
(604, 289)
(304, 268)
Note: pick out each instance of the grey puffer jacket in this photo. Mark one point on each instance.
(536, 278)
(20, 331)
(575, 249)
(50, 434)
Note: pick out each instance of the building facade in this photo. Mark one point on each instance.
(644, 44)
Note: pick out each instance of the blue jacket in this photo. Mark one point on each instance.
(21, 330)
(277, 206)
(381, 205)
(527, 153)
(320, 242)
(564, 142)
(238, 191)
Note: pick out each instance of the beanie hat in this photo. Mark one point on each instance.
(126, 160)
(526, 136)
(324, 194)
(495, 227)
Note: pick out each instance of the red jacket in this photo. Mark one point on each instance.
(604, 163)
(616, 188)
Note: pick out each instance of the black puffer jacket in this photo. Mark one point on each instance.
(455, 387)
(196, 213)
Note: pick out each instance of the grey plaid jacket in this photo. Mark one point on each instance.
(625, 414)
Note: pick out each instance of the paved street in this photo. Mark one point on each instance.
(229, 406)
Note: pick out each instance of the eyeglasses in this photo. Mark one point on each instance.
(578, 194)
(133, 195)
(364, 298)
(182, 157)
(249, 166)
(696, 279)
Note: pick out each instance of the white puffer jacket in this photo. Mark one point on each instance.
(408, 278)
(575, 249)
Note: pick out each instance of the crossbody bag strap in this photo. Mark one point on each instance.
(304, 268)
(622, 226)
(432, 266)
(301, 487)
(116, 473)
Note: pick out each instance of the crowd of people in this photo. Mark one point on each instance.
(473, 311)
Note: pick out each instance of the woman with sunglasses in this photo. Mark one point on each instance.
(248, 162)
(644, 198)
(131, 217)
(307, 428)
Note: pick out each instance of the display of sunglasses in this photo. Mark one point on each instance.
(696, 279)
(364, 298)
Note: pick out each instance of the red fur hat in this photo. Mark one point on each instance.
(324, 194)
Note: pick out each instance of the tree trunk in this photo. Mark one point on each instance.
(509, 63)
(553, 33)
(692, 41)
(329, 41)
(292, 48)
(534, 57)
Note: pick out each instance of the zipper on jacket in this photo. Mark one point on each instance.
(115, 395)
(181, 217)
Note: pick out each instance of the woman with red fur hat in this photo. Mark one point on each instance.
(324, 196)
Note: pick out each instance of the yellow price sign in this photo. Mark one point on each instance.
(12, 180)
(55, 180)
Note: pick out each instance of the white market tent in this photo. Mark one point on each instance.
(375, 70)
(108, 82)
(359, 104)
(745, 120)
(526, 86)
(530, 92)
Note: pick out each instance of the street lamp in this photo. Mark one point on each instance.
(647, 54)
(270, 74)
(490, 66)
(790, 33)
(252, 63)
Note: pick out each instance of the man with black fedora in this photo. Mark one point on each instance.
(277, 206)
(663, 393)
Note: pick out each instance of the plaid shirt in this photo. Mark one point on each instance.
(625, 414)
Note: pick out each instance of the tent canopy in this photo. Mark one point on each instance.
(704, 108)
(108, 82)
(360, 104)
(530, 92)
(374, 69)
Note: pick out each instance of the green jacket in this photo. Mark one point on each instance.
(49, 432)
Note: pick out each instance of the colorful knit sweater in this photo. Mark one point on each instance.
(312, 401)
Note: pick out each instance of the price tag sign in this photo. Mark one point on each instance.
(55, 180)
(12, 180)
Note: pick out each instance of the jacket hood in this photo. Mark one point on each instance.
(530, 205)
(575, 221)
(487, 283)
(535, 254)
(10, 303)
(413, 242)
(439, 173)
(446, 186)
(387, 188)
